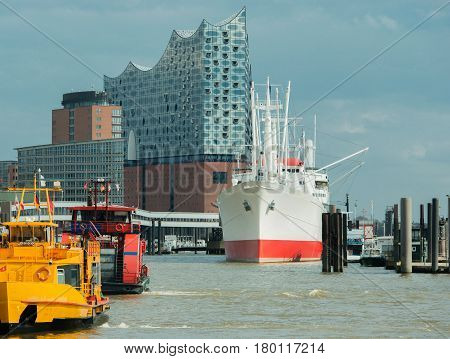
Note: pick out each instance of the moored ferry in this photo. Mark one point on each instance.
(44, 283)
(121, 247)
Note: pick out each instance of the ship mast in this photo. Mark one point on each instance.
(269, 137)
(278, 149)
(315, 140)
(286, 127)
(255, 147)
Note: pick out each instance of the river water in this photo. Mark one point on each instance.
(200, 296)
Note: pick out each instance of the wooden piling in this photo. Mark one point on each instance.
(326, 268)
(422, 233)
(396, 234)
(406, 235)
(448, 233)
(435, 236)
(340, 257)
(429, 230)
(344, 237)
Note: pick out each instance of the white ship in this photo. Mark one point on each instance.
(273, 211)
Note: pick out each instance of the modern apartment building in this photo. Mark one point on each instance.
(73, 164)
(86, 116)
(186, 120)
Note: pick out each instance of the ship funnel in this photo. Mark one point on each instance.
(309, 154)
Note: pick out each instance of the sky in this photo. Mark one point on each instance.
(399, 105)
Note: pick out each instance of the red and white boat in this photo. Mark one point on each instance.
(273, 211)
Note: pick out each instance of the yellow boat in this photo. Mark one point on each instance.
(43, 282)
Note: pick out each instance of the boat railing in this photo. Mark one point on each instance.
(101, 227)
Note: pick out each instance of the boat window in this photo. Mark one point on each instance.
(61, 276)
(321, 185)
(69, 274)
(95, 273)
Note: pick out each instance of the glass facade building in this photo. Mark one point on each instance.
(73, 164)
(195, 100)
(193, 105)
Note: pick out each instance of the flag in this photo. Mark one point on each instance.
(51, 206)
(42, 180)
(18, 204)
(117, 187)
(37, 204)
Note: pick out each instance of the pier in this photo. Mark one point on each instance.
(433, 242)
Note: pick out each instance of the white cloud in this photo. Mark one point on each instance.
(380, 21)
(416, 151)
(388, 22)
(351, 127)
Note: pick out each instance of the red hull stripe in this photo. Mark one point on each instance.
(263, 250)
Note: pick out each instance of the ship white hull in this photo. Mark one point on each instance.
(268, 222)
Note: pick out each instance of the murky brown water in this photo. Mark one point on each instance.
(199, 296)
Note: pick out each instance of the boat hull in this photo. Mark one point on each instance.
(373, 261)
(263, 222)
(43, 303)
(126, 288)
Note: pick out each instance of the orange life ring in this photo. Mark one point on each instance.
(43, 274)
(119, 227)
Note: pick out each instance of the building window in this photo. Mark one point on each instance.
(98, 119)
(219, 177)
(98, 127)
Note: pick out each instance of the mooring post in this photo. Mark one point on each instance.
(332, 208)
(340, 246)
(325, 242)
(422, 233)
(334, 242)
(435, 236)
(448, 234)
(344, 237)
(406, 235)
(429, 230)
(396, 234)
(159, 237)
(153, 237)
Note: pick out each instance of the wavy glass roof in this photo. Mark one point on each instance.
(185, 34)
